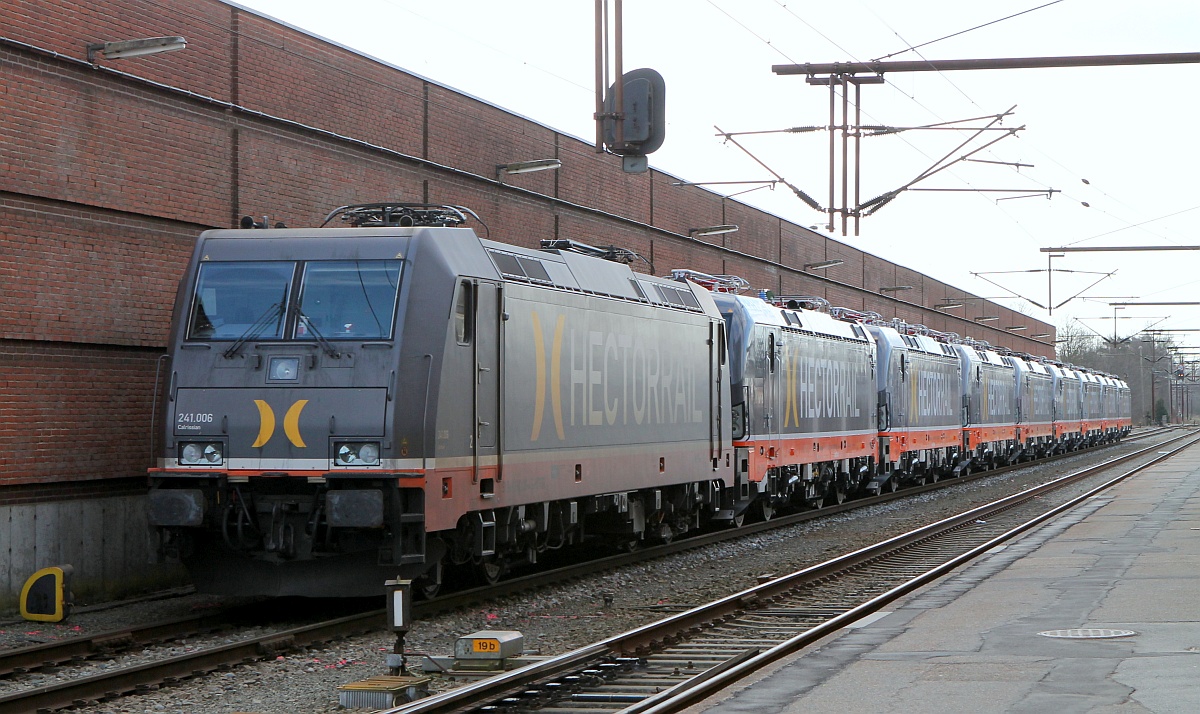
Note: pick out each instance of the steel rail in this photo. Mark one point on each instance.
(49, 654)
(133, 678)
(674, 700)
(652, 636)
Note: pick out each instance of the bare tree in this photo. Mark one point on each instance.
(1076, 345)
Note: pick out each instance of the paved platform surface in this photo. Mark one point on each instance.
(1128, 559)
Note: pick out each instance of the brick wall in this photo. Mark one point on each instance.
(76, 275)
(106, 179)
(285, 74)
(67, 28)
(73, 413)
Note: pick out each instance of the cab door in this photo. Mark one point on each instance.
(717, 400)
(773, 391)
(487, 406)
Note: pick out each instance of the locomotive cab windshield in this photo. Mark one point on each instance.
(260, 300)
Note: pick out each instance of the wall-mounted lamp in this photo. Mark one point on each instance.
(125, 49)
(1017, 328)
(947, 306)
(712, 230)
(895, 288)
(989, 318)
(1040, 335)
(525, 167)
(823, 264)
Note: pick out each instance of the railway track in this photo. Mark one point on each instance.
(668, 665)
(170, 669)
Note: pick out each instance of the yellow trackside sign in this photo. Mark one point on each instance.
(490, 645)
(46, 596)
(486, 646)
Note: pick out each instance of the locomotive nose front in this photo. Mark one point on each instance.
(276, 448)
(292, 385)
(289, 428)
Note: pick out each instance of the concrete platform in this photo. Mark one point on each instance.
(1128, 559)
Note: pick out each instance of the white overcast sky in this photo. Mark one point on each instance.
(1123, 140)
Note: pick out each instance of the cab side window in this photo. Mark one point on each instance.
(462, 313)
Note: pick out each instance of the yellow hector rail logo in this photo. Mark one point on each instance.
(291, 423)
(539, 356)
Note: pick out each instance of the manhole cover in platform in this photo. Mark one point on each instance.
(1089, 633)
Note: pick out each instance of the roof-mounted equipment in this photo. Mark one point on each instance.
(978, 344)
(610, 252)
(712, 283)
(248, 222)
(387, 214)
(907, 328)
(802, 302)
(848, 315)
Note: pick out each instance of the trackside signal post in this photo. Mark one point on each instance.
(631, 119)
(399, 614)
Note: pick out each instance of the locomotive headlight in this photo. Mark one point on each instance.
(201, 453)
(357, 453)
(283, 369)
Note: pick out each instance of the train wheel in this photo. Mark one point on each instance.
(738, 520)
(818, 492)
(893, 484)
(933, 475)
(428, 589)
(490, 569)
(836, 496)
(765, 510)
(430, 584)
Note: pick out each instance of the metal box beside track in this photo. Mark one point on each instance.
(490, 644)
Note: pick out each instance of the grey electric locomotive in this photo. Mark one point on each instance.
(348, 405)
(920, 405)
(804, 403)
(1068, 407)
(989, 381)
(1035, 407)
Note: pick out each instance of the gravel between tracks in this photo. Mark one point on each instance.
(553, 621)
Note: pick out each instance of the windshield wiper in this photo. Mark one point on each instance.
(254, 330)
(326, 346)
